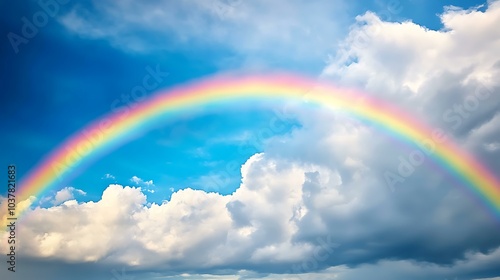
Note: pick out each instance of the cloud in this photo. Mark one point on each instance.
(283, 216)
(109, 176)
(249, 28)
(147, 186)
(430, 73)
(66, 194)
(138, 181)
(446, 77)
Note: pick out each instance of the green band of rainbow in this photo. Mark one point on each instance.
(116, 126)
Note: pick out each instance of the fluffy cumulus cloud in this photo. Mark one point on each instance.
(315, 203)
(287, 217)
(66, 194)
(447, 77)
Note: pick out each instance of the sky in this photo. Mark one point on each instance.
(207, 195)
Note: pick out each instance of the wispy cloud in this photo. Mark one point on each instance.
(253, 28)
(109, 176)
(140, 182)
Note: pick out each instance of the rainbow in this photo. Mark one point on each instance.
(110, 131)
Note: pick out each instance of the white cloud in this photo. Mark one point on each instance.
(250, 28)
(140, 182)
(447, 78)
(66, 194)
(147, 186)
(427, 72)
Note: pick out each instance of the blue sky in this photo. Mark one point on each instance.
(90, 53)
